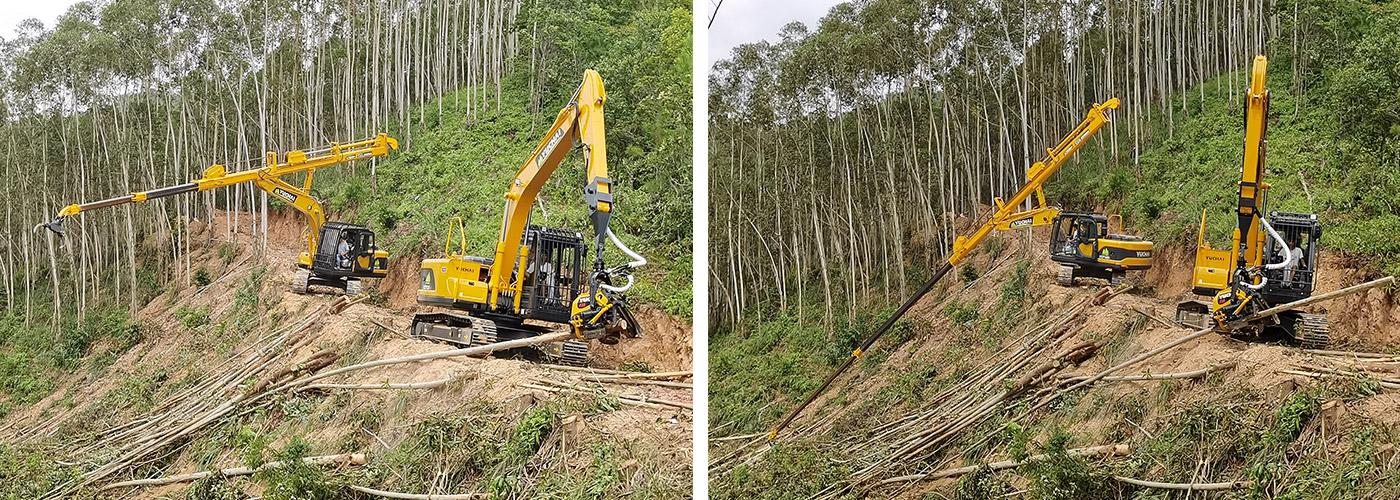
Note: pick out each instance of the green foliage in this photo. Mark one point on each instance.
(192, 317)
(297, 480)
(1062, 476)
(961, 313)
(30, 355)
(982, 484)
(969, 273)
(202, 277)
(30, 473)
(793, 470)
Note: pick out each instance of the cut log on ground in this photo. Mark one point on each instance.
(342, 460)
(643, 375)
(1162, 376)
(1319, 298)
(1112, 450)
(411, 496)
(1232, 485)
(628, 381)
(434, 384)
(469, 351)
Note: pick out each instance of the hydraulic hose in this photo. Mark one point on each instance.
(637, 261)
(1282, 244)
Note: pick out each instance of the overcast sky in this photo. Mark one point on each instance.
(745, 21)
(14, 11)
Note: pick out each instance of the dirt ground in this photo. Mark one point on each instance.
(364, 332)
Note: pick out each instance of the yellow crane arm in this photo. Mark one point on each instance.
(581, 121)
(266, 178)
(1248, 237)
(1004, 216)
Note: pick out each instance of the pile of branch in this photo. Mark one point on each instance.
(1033, 358)
(639, 400)
(223, 392)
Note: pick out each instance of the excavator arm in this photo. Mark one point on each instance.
(266, 178)
(581, 122)
(1004, 218)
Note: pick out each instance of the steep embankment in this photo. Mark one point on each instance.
(491, 428)
(956, 379)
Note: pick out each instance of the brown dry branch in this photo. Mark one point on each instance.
(411, 496)
(1113, 450)
(342, 460)
(626, 381)
(643, 375)
(1232, 485)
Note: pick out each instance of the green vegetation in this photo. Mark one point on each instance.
(32, 357)
(1333, 149)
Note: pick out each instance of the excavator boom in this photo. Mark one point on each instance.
(265, 177)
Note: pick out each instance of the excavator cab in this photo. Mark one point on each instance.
(1300, 232)
(344, 253)
(553, 274)
(1084, 247)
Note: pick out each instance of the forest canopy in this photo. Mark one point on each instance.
(841, 153)
(127, 95)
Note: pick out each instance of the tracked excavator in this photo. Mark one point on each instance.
(537, 272)
(337, 254)
(1270, 261)
(1081, 242)
(1003, 218)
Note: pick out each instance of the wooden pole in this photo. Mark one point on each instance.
(470, 351)
(1318, 298)
(411, 496)
(1233, 485)
(345, 459)
(1110, 450)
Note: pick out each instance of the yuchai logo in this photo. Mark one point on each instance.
(291, 198)
(1144, 254)
(1022, 222)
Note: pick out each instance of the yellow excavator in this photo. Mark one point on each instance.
(1004, 218)
(1081, 242)
(1269, 262)
(337, 254)
(537, 272)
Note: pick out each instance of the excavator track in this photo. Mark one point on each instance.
(1311, 331)
(301, 281)
(471, 331)
(1065, 277)
(569, 352)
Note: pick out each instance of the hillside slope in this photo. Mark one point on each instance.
(483, 431)
(1298, 436)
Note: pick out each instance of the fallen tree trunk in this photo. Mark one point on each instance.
(469, 351)
(386, 385)
(642, 398)
(1163, 376)
(1319, 298)
(643, 375)
(1384, 383)
(1233, 485)
(411, 496)
(345, 459)
(1113, 450)
(628, 381)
